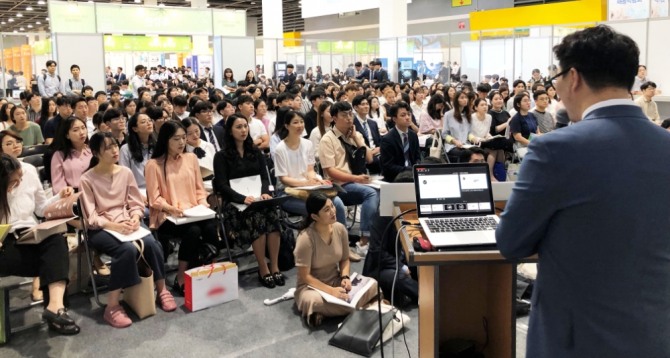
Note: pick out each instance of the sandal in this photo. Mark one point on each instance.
(266, 280)
(279, 279)
(60, 322)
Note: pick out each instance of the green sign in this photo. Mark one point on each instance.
(116, 43)
(152, 20)
(42, 47)
(72, 17)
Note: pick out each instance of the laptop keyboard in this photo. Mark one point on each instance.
(461, 224)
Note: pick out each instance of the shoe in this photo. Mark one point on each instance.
(362, 250)
(166, 301)
(117, 317)
(60, 322)
(266, 280)
(100, 267)
(353, 256)
(279, 279)
(314, 320)
(37, 296)
(179, 289)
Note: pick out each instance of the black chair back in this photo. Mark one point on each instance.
(33, 150)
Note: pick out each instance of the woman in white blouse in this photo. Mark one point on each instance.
(480, 130)
(203, 150)
(323, 125)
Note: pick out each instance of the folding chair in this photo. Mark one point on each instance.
(33, 150)
(82, 238)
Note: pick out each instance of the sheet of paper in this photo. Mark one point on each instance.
(198, 211)
(247, 186)
(140, 233)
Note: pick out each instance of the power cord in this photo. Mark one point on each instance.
(395, 279)
(379, 289)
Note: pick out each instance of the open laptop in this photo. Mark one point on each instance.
(455, 205)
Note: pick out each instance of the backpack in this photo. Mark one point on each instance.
(355, 157)
(83, 83)
(44, 77)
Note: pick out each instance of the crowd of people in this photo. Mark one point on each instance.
(142, 149)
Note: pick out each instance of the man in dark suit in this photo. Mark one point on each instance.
(587, 203)
(289, 77)
(119, 76)
(381, 75)
(400, 146)
(203, 111)
(369, 130)
(364, 72)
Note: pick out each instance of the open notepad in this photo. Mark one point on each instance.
(196, 213)
(359, 287)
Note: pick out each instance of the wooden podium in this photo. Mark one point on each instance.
(468, 295)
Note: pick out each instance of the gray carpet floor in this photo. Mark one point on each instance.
(241, 328)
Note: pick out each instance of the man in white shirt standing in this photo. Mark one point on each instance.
(49, 84)
(138, 80)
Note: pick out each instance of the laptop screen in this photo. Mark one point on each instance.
(453, 189)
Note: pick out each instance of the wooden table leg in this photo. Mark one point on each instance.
(428, 327)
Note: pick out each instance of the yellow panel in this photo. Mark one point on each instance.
(569, 12)
(292, 39)
(459, 3)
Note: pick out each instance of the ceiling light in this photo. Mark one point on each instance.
(3, 23)
(30, 26)
(41, 2)
(10, 20)
(22, 29)
(29, 8)
(19, 15)
(253, 3)
(138, 1)
(161, 5)
(47, 19)
(38, 23)
(15, 31)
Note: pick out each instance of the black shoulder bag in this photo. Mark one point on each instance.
(355, 158)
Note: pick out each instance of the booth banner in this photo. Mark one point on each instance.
(26, 60)
(659, 8)
(147, 43)
(210, 285)
(628, 9)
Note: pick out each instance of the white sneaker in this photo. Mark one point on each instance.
(362, 250)
(353, 256)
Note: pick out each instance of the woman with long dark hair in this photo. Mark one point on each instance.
(324, 122)
(112, 201)
(260, 228)
(229, 83)
(29, 131)
(431, 119)
(21, 199)
(137, 151)
(71, 154)
(456, 126)
(322, 258)
(5, 118)
(174, 184)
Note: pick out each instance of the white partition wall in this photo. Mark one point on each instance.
(239, 54)
(91, 61)
(657, 62)
(637, 30)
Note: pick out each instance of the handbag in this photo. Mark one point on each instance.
(303, 194)
(286, 260)
(359, 333)
(436, 150)
(355, 157)
(140, 297)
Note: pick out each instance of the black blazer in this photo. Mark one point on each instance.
(364, 74)
(310, 121)
(218, 134)
(381, 76)
(120, 77)
(372, 127)
(392, 156)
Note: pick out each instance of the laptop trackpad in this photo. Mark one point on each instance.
(462, 238)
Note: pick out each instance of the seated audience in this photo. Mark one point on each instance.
(294, 166)
(203, 150)
(431, 119)
(334, 162)
(400, 147)
(524, 124)
(457, 127)
(137, 151)
(545, 120)
(64, 107)
(116, 122)
(29, 131)
(257, 131)
(21, 199)
(647, 103)
(480, 129)
(71, 154)
(260, 228)
(112, 201)
(324, 123)
(322, 259)
(174, 184)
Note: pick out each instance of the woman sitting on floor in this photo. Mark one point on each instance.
(112, 201)
(322, 258)
(21, 198)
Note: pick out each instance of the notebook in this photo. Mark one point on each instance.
(455, 205)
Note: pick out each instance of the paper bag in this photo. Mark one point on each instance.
(210, 285)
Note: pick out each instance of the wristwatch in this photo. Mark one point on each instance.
(344, 277)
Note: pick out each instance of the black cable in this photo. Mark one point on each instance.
(485, 323)
(379, 289)
(404, 338)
